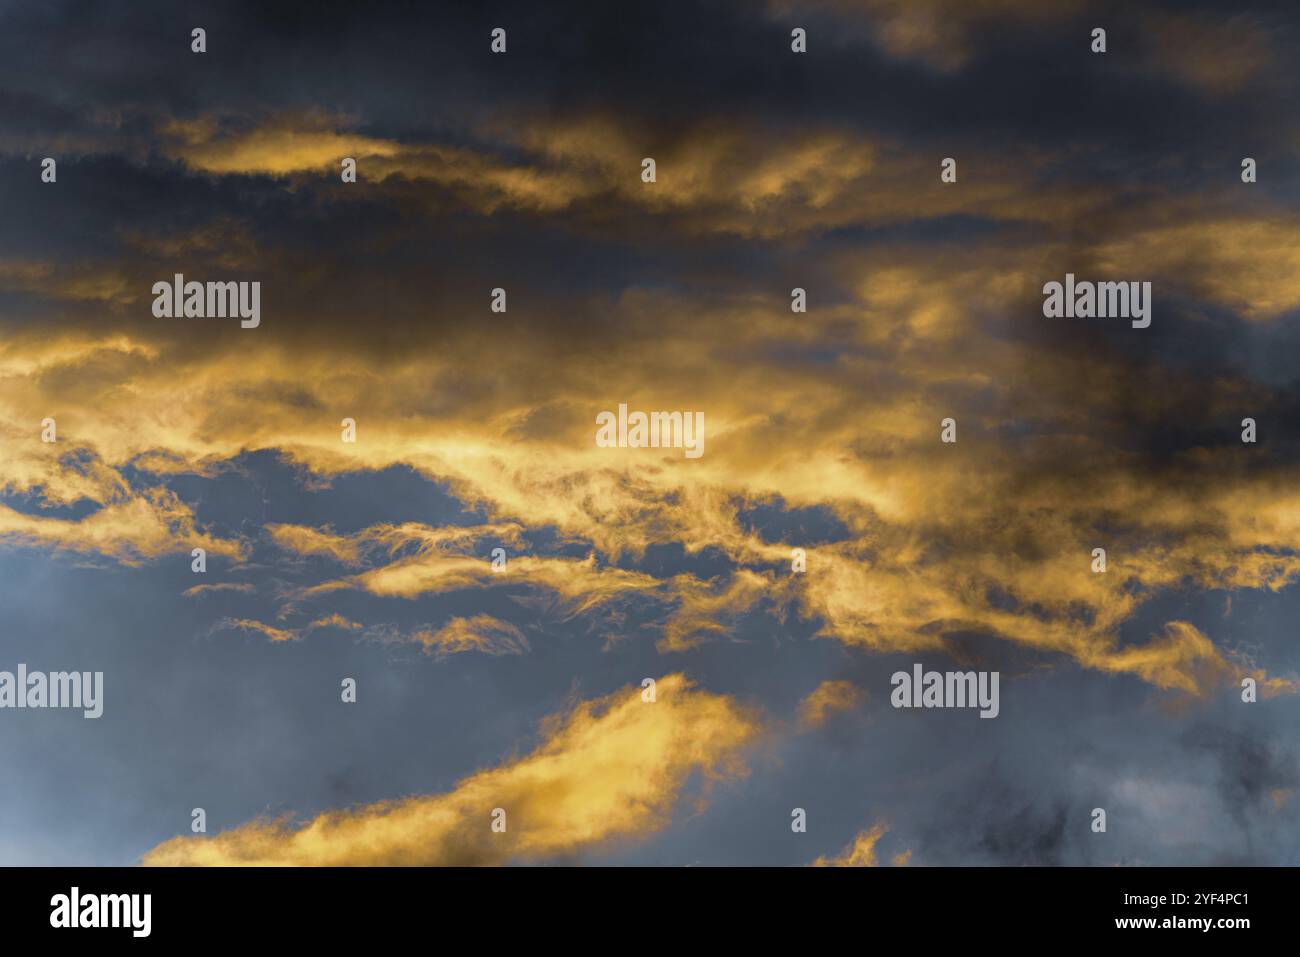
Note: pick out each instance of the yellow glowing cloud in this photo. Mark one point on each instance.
(704, 610)
(862, 852)
(1182, 657)
(609, 770)
(335, 620)
(1251, 265)
(198, 590)
(1012, 562)
(825, 700)
(739, 178)
(311, 541)
(349, 549)
(272, 150)
(248, 624)
(480, 633)
(578, 584)
(938, 539)
(131, 531)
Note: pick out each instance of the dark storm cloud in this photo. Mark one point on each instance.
(405, 66)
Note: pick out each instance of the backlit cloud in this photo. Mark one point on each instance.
(612, 769)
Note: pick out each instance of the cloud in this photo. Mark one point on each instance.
(608, 770)
(480, 633)
(257, 627)
(131, 530)
(200, 590)
(1215, 56)
(825, 700)
(818, 172)
(940, 35)
(1181, 657)
(925, 303)
(862, 852)
(305, 144)
(854, 438)
(335, 621)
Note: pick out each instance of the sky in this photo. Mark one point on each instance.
(501, 714)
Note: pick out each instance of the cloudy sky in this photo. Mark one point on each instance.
(475, 430)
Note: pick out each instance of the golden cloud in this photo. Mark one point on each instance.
(858, 439)
(862, 852)
(938, 540)
(479, 633)
(257, 627)
(825, 700)
(609, 770)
